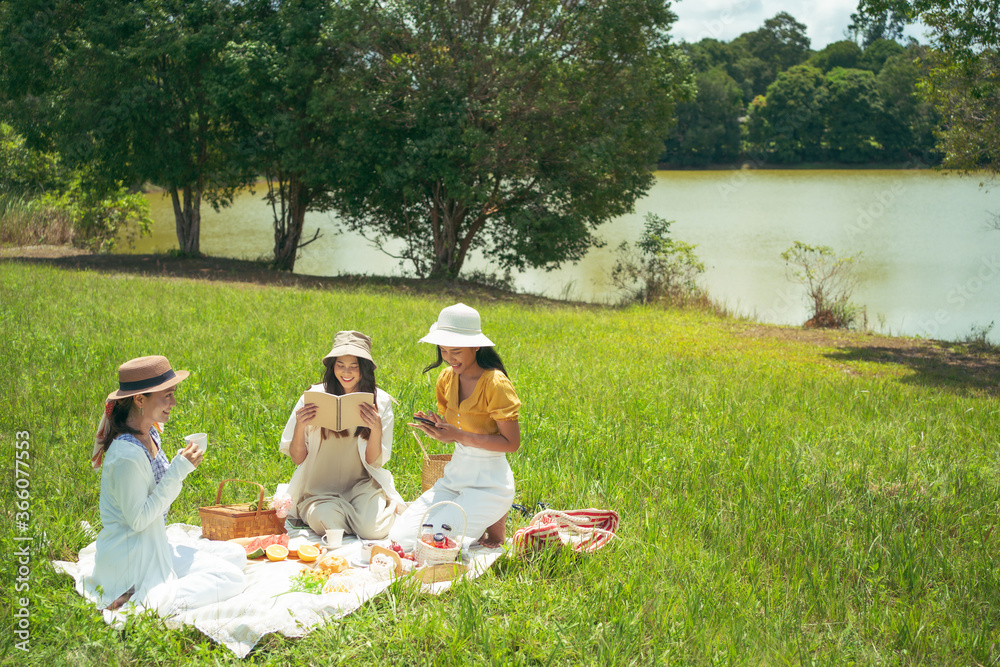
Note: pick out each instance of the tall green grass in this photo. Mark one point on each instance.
(778, 506)
(27, 222)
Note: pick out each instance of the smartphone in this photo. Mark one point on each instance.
(423, 420)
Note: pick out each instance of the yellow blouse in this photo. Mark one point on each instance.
(493, 399)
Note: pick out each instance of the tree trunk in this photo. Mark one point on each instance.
(449, 248)
(446, 266)
(187, 218)
(286, 240)
(289, 221)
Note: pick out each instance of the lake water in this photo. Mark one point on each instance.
(930, 262)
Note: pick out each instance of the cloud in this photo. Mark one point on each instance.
(725, 20)
(719, 19)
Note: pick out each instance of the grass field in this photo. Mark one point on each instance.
(782, 502)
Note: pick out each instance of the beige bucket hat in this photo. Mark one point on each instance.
(351, 342)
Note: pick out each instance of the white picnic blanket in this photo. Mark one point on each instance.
(265, 605)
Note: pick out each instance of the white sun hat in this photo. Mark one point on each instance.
(457, 326)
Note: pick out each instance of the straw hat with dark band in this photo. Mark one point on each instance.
(145, 375)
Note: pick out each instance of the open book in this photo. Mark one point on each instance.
(339, 413)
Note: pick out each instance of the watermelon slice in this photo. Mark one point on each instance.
(256, 547)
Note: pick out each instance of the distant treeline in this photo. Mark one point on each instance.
(767, 97)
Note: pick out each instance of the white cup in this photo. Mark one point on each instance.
(334, 537)
(199, 439)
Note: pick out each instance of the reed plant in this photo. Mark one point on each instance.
(27, 222)
(779, 504)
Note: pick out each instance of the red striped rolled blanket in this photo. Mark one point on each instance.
(585, 530)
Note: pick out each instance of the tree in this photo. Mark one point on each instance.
(288, 65)
(851, 113)
(755, 58)
(125, 90)
(708, 127)
(967, 96)
(877, 53)
(870, 24)
(788, 122)
(838, 54)
(513, 127)
(708, 53)
(830, 282)
(25, 172)
(907, 122)
(750, 72)
(659, 269)
(779, 44)
(964, 76)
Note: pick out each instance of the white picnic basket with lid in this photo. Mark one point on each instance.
(427, 554)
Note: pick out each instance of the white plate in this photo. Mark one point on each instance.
(363, 555)
(295, 542)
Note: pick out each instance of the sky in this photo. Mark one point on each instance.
(725, 20)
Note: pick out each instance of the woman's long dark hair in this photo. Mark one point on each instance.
(117, 420)
(486, 357)
(332, 385)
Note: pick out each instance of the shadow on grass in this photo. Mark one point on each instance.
(967, 368)
(224, 269)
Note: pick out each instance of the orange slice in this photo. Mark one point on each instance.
(308, 552)
(276, 552)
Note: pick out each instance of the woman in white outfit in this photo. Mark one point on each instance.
(479, 413)
(135, 563)
(340, 480)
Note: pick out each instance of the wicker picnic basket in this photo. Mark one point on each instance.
(433, 466)
(427, 554)
(225, 522)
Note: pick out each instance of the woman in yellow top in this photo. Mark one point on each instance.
(480, 409)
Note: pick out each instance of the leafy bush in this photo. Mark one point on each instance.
(25, 174)
(978, 338)
(659, 269)
(42, 201)
(830, 281)
(24, 171)
(99, 218)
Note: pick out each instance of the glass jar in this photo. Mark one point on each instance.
(448, 542)
(427, 534)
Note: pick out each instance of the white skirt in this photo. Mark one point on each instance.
(478, 481)
(207, 573)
